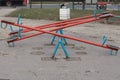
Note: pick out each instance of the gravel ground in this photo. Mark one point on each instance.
(6, 11)
(30, 58)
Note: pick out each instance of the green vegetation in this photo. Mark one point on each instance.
(50, 14)
(116, 12)
(47, 14)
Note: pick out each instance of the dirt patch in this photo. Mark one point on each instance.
(81, 53)
(89, 26)
(55, 44)
(37, 48)
(59, 59)
(69, 44)
(37, 53)
(93, 37)
(3, 53)
(49, 44)
(73, 59)
(48, 59)
(80, 48)
(110, 40)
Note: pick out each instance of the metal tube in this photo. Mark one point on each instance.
(65, 36)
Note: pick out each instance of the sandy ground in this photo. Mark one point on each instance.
(30, 58)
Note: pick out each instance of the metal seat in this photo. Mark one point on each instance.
(14, 32)
(106, 12)
(113, 46)
(12, 39)
(105, 15)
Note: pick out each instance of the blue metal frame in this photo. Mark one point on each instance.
(61, 32)
(19, 30)
(113, 19)
(11, 45)
(104, 39)
(95, 12)
(99, 10)
(18, 20)
(11, 30)
(115, 53)
(0, 25)
(63, 47)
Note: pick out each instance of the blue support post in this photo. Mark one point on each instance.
(56, 48)
(111, 19)
(104, 39)
(0, 25)
(19, 29)
(19, 32)
(99, 10)
(11, 45)
(18, 20)
(115, 53)
(61, 32)
(111, 52)
(53, 39)
(11, 28)
(63, 47)
(4, 27)
(95, 13)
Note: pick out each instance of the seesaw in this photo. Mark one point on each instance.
(58, 26)
(55, 26)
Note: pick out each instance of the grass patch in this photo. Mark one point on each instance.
(116, 12)
(50, 14)
(47, 14)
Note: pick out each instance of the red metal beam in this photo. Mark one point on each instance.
(64, 36)
(77, 22)
(54, 29)
(56, 24)
(65, 22)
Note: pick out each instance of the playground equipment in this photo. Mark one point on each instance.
(58, 26)
(101, 5)
(114, 19)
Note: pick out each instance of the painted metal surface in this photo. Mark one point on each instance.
(63, 47)
(60, 25)
(60, 32)
(66, 36)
